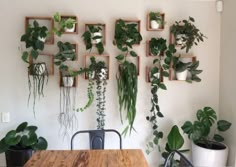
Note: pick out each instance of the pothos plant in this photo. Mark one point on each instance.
(161, 65)
(34, 43)
(93, 36)
(126, 35)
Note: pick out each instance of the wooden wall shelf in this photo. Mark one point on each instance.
(103, 57)
(76, 24)
(75, 84)
(103, 30)
(172, 77)
(148, 75)
(43, 21)
(148, 23)
(49, 63)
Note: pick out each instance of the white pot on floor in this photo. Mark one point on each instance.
(205, 157)
(182, 75)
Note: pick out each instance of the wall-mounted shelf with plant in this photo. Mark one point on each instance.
(155, 21)
(66, 24)
(46, 37)
(127, 35)
(185, 34)
(38, 70)
(185, 68)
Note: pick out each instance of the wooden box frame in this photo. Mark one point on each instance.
(172, 71)
(103, 30)
(51, 65)
(148, 23)
(75, 84)
(51, 39)
(147, 75)
(76, 24)
(97, 55)
(148, 52)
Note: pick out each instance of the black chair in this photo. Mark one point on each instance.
(96, 138)
(184, 162)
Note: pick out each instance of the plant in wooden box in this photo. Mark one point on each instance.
(94, 36)
(156, 20)
(183, 68)
(161, 63)
(126, 35)
(66, 24)
(20, 144)
(186, 34)
(207, 149)
(33, 41)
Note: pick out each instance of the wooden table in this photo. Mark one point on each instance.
(88, 158)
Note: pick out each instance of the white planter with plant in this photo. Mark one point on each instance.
(70, 28)
(156, 20)
(68, 81)
(98, 37)
(39, 68)
(207, 151)
(182, 76)
(154, 24)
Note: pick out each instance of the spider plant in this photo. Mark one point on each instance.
(126, 35)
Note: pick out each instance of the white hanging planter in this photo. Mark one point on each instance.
(39, 68)
(68, 81)
(182, 75)
(210, 157)
(70, 29)
(96, 41)
(154, 24)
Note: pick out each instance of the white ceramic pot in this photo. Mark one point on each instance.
(68, 81)
(182, 75)
(208, 157)
(154, 24)
(95, 41)
(70, 29)
(179, 39)
(39, 69)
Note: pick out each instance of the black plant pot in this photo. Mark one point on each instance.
(17, 157)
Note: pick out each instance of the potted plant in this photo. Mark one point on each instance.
(156, 20)
(38, 71)
(182, 69)
(93, 36)
(127, 35)
(19, 144)
(64, 24)
(186, 34)
(207, 149)
(161, 65)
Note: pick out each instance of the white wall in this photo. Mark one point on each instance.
(178, 104)
(227, 80)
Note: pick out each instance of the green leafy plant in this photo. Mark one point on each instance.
(24, 137)
(91, 36)
(38, 71)
(161, 66)
(199, 130)
(126, 35)
(187, 32)
(63, 23)
(156, 16)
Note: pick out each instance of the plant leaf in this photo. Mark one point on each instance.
(223, 125)
(175, 140)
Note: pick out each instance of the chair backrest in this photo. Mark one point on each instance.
(96, 138)
(184, 162)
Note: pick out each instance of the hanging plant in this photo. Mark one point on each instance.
(126, 35)
(161, 65)
(34, 39)
(93, 36)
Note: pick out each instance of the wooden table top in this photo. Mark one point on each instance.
(88, 158)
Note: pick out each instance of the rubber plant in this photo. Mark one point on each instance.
(34, 43)
(162, 64)
(127, 35)
(93, 36)
(186, 32)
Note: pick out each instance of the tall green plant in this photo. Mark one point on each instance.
(127, 35)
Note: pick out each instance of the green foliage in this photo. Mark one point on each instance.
(127, 35)
(32, 40)
(157, 46)
(63, 23)
(157, 17)
(22, 138)
(199, 130)
(89, 36)
(191, 35)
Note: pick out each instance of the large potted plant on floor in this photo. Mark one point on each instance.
(34, 43)
(207, 147)
(19, 144)
(127, 35)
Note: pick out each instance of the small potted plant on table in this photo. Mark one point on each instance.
(20, 144)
